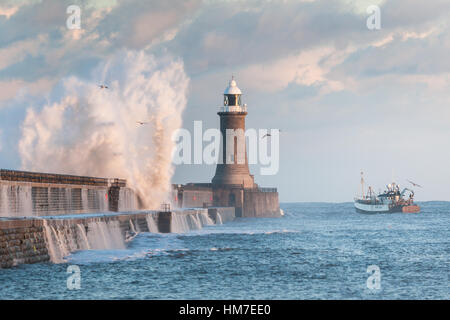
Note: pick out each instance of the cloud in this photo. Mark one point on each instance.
(19, 50)
(214, 35)
(308, 68)
(139, 24)
(17, 89)
(322, 44)
(413, 14)
(37, 43)
(225, 35)
(8, 11)
(105, 28)
(9, 7)
(403, 53)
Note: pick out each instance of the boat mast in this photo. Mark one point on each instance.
(362, 184)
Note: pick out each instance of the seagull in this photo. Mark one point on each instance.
(102, 86)
(149, 120)
(415, 184)
(268, 134)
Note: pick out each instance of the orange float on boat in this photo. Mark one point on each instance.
(414, 208)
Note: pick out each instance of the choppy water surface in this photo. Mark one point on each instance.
(316, 251)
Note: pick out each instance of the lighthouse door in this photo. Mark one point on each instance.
(232, 200)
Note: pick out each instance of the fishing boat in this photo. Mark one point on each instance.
(389, 201)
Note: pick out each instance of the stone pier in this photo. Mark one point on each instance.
(22, 241)
(26, 240)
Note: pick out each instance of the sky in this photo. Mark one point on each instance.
(346, 98)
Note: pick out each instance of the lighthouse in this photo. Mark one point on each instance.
(233, 169)
(232, 187)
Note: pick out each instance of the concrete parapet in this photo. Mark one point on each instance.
(42, 194)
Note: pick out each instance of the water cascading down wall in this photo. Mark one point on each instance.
(45, 217)
(38, 194)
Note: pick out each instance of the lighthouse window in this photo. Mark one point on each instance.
(225, 101)
(232, 98)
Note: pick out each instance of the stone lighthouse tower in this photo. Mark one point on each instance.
(232, 170)
(232, 185)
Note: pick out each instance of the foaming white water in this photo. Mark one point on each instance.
(62, 239)
(132, 227)
(22, 199)
(107, 239)
(219, 218)
(105, 235)
(53, 251)
(103, 195)
(15, 200)
(94, 200)
(127, 200)
(25, 204)
(92, 131)
(179, 223)
(85, 241)
(151, 224)
(84, 199)
(184, 221)
(205, 219)
(144, 245)
(61, 242)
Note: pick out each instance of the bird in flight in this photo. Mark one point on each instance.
(415, 184)
(268, 135)
(102, 86)
(149, 120)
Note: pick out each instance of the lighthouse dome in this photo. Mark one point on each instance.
(232, 88)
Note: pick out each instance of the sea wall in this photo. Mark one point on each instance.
(43, 239)
(39, 199)
(42, 194)
(22, 241)
(192, 195)
(261, 203)
(251, 202)
(197, 198)
(178, 221)
(31, 240)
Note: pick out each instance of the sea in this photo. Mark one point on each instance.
(315, 251)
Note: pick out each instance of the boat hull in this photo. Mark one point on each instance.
(376, 208)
